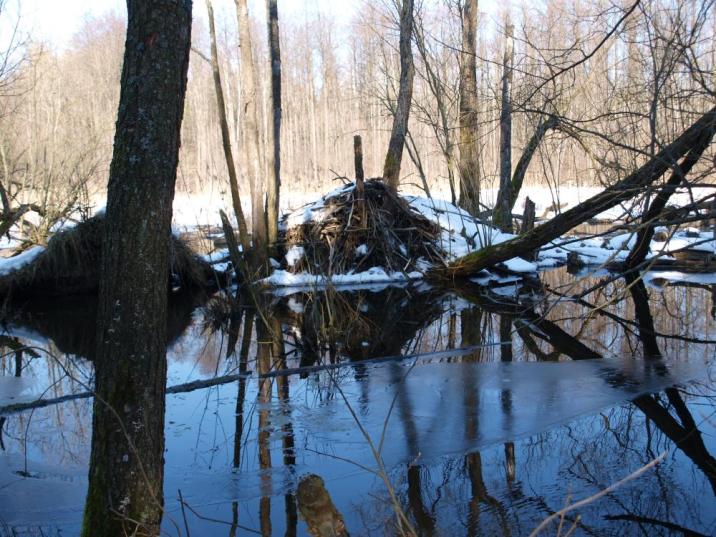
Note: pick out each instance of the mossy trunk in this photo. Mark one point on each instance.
(127, 463)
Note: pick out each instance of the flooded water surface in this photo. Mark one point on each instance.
(480, 410)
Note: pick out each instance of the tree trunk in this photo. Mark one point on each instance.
(503, 211)
(528, 217)
(391, 168)
(250, 119)
(360, 179)
(127, 463)
(274, 134)
(225, 137)
(469, 164)
(701, 132)
(646, 232)
(518, 176)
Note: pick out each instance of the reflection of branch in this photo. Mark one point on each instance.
(218, 521)
(689, 441)
(611, 488)
(626, 323)
(179, 388)
(664, 524)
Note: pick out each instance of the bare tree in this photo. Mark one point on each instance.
(469, 164)
(225, 136)
(274, 131)
(391, 168)
(249, 115)
(502, 216)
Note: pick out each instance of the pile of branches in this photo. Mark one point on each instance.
(359, 230)
(71, 263)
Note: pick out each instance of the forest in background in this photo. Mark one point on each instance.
(607, 91)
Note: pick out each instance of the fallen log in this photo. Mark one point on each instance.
(702, 130)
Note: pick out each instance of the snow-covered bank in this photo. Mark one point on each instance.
(600, 251)
(457, 235)
(11, 264)
(191, 210)
(282, 278)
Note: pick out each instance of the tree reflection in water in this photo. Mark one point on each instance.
(463, 482)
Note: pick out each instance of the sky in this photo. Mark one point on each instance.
(56, 21)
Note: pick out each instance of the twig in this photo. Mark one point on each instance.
(183, 513)
(598, 495)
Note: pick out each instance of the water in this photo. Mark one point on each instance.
(490, 409)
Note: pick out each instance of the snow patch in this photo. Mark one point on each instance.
(294, 255)
(11, 264)
(283, 278)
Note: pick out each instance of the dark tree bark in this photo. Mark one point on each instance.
(274, 135)
(469, 160)
(127, 462)
(646, 232)
(700, 132)
(528, 216)
(518, 176)
(225, 137)
(358, 162)
(502, 216)
(360, 179)
(391, 168)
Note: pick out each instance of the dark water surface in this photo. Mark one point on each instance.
(491, 409)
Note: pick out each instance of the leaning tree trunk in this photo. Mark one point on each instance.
(646, 231)
(274, 134)
(701, 132)
(127, 462)
(469, 164)
(250, 119)
(518, 177)
(391, 168)
(225, 137)
(502, 216)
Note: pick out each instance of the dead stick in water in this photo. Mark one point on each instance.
(318, 510)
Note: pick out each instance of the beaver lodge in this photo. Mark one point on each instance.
(373, 234)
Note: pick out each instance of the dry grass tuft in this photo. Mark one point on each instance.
(71, 263)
